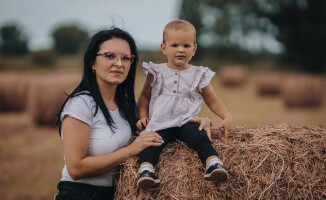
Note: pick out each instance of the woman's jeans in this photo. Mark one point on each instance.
(81, 191)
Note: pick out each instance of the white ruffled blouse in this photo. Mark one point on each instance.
(176, 95)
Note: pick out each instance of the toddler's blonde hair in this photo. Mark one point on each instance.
(179, 25)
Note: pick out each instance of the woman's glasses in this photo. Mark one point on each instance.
(112, 57)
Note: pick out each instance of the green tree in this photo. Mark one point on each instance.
(222, 27)
(13, 40)
(190, 11)
(300, 25)
(68, 39)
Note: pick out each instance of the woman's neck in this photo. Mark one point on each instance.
(108, 94)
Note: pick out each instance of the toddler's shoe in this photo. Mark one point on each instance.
(216, 173)
(147, 179)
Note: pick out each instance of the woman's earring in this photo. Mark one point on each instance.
(93, 71)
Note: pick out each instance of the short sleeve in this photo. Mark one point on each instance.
(152, 69)
(79, 107)
(206, 76)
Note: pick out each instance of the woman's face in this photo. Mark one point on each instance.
(112, 67)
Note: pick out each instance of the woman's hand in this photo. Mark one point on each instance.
(142, 123)
(145, 140)
(225, 126)
(205, 123)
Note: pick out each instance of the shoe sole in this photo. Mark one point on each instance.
(147, 182)
(217, 175)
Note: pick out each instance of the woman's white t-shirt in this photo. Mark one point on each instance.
(102, 139)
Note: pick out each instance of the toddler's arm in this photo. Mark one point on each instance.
(216, 105)
(143, 102)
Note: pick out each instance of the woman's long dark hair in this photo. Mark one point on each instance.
(124, 96)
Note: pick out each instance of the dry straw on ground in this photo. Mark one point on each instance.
(268, 84)
(303, 91)
(270, 162)
(233, 76)
(47, 93)
(13, 91)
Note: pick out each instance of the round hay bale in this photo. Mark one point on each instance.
(233, 76)
(47, 93)
(14, 88)
(303, 91)
(268, 84)
(270, 162)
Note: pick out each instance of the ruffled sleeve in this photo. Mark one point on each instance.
(152, 69)
(203, 77)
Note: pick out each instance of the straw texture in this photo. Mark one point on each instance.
(268, 162)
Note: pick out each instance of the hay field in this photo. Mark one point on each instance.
(267, 162)
(249, 109)
(31, 159)
(32, 156)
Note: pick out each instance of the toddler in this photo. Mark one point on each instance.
(172, 97)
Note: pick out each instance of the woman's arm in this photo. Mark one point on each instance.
(143, 102)
(216, 105)
(76, 136)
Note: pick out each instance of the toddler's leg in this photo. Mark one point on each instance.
(215, 170)
(147, 178)
(148, 159)
(199, 141)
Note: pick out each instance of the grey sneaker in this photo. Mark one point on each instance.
(147, 179)
(216, 173)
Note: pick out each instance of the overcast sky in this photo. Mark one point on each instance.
(144, 19)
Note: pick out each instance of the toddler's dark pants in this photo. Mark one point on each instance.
(189, 133)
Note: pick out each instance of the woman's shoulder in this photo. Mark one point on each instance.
(84, 95)
(80, 106)
(82, 99)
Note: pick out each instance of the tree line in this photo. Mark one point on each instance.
(225, 29)
(67, 39)
(299, 25)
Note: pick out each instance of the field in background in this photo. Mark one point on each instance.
(32, 157)
(250, 109)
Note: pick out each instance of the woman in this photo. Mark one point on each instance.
(97, 120)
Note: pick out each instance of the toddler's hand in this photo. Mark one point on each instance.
(142, 123)
(206, 124)
(225, 126)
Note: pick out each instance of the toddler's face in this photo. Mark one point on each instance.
(179, 47)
